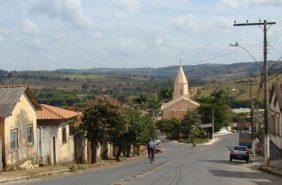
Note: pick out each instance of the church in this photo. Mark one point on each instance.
(181, 102)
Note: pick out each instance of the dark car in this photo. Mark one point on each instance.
(239, 153)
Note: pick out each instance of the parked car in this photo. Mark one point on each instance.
(239, 153)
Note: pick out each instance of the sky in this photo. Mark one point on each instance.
(55, 34)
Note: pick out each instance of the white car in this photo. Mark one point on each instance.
(239, 153)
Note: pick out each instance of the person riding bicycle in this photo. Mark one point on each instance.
(151, 146)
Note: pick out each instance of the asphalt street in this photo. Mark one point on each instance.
(179, 164)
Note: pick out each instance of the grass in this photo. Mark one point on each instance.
(240, 91)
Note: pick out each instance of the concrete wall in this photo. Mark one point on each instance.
(64, 152)
(275, 152)
(178, 110)
(275, 124)
(23, 115)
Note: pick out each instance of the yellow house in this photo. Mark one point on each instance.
(17, 126)
(181, 102)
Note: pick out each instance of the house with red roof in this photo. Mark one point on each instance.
(55, 141)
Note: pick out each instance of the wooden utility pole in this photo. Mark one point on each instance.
(265, 79)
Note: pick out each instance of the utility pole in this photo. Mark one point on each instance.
(265, 79)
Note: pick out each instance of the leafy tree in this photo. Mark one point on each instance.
(103, 121)
(219, 103)
(190, 124)
(170, 127)
(165, 95)
(140, 129)
(148, 102)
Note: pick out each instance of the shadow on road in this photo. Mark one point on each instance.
(237, 174)
(224, 162)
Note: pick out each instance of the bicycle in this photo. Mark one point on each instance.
(151, 157)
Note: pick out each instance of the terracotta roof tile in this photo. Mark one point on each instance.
(55, 113)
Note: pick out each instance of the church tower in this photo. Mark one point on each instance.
(180, 85)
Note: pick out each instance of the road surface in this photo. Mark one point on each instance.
(180, 164)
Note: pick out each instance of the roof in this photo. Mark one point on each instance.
(277, 88)
(172, 102)
(9, 97)
(180, 76)
(49, 112)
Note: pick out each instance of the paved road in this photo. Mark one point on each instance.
(180, 164)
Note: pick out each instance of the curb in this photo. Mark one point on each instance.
(210, 142)
(271, 171)
(34, 176)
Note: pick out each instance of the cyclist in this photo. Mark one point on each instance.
(151, 146)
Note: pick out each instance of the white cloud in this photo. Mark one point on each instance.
(65, 10)
(127, 7)
(1, 39)
(168, 3)
(187, 23)
(29, 27)
(246, 3)
(191, 23)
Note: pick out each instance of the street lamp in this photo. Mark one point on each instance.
(236, 44)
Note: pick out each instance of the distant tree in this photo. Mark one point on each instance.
(165, 95)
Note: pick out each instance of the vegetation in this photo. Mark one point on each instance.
(105, 121)
(218, 104)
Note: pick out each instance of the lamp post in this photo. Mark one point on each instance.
(236, 44)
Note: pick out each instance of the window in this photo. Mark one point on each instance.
(64, 135)
(29, 132)
(181, 93)
(14, 138)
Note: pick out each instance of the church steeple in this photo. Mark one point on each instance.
(180, 84)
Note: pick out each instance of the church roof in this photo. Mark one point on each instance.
(180, 77)
(177, 100)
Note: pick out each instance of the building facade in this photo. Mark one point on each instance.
(55, 143)
(18, 126)
(275, 121)
(181, 102)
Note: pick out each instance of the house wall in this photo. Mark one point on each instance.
(23, 115)
(64, 152)
(275, 130)
(275, 124)
(178, 110)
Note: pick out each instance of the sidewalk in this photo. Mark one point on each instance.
(49, 171)
(275, 168)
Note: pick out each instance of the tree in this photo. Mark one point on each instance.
(165, 95)
(170, 127)
(103, 121)
(218, 103)
(190, 124)
(148, 102)
(140, 129)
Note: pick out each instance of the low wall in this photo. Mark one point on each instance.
(275, 152)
